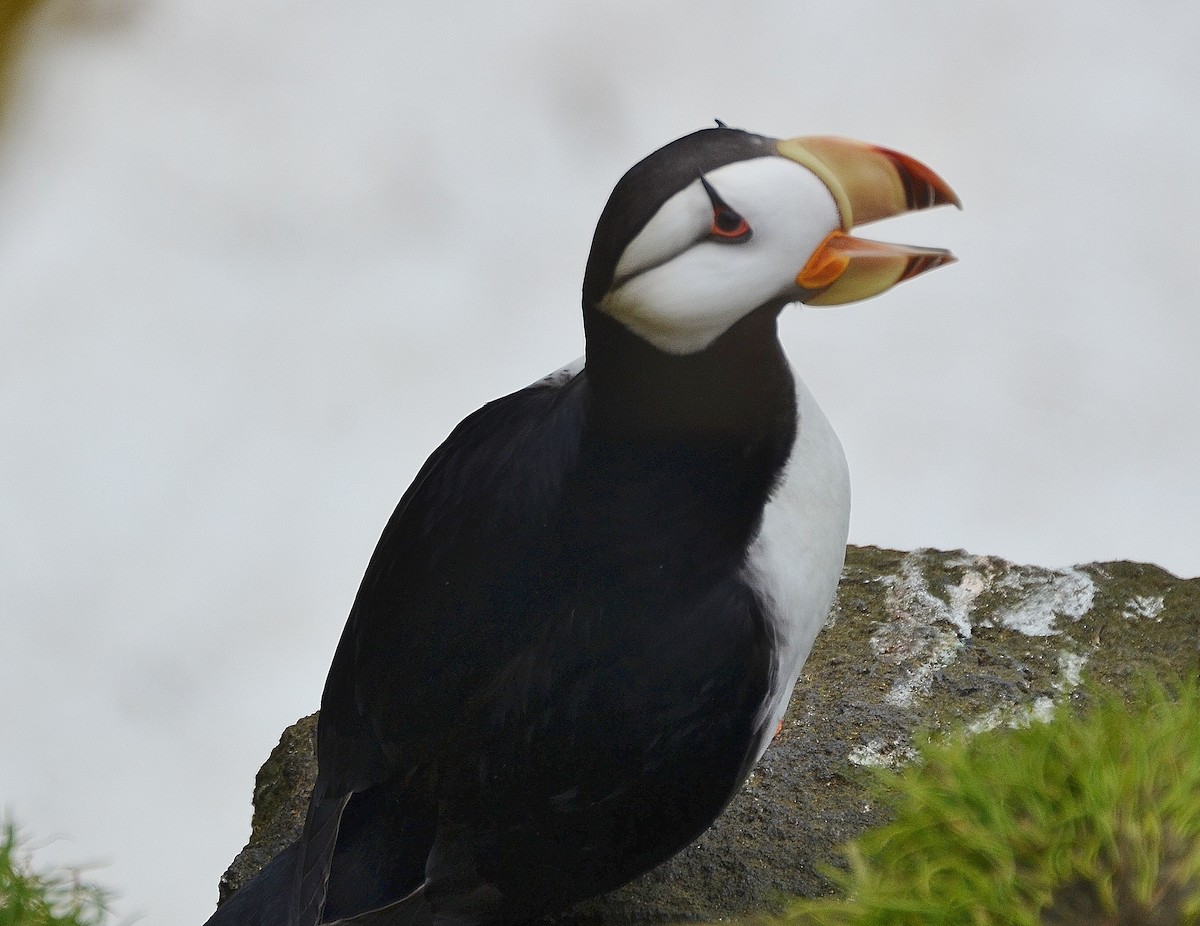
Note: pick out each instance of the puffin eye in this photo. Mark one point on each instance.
(727, 225)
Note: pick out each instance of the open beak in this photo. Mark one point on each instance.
(867, 183)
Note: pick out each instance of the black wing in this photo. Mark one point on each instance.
(426, 629)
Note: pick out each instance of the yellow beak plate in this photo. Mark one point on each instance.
(868, 183)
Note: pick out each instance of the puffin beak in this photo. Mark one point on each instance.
(867, 183)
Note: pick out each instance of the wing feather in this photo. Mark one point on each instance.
(472, 512)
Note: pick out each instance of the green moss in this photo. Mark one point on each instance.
(39, 898)
(1093, 817)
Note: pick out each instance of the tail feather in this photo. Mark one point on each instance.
(311, 872)
(412, 910)
(263, 901)
(376, 877)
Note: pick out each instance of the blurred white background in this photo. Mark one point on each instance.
(257, 258)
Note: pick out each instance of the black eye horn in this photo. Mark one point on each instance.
(713, 196)
(727, 224)
(720, 124)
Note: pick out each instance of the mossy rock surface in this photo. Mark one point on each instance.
(917, 643)
(1092, 817)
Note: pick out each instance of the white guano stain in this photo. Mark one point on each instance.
(878, 753)
(928, 631)
(1144, 608)
(1013, 716)
(1018, 716)
(913, 638)
(1044, 596)
(1070, 671)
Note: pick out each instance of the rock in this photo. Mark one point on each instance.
(281, 791)
(917, 642)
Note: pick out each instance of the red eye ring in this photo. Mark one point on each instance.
(728, 225)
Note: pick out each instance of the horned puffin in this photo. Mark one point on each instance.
(582, 624)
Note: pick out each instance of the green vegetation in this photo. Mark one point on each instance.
(13, 14)
(1092, 818)
(32, 898)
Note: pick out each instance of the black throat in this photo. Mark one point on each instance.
(739, 390)
(681, 453)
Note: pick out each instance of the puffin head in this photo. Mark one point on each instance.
(721, 223)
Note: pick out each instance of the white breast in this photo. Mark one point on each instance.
(796, 560)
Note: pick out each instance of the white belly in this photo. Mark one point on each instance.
(796, 560)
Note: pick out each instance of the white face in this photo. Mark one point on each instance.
(680, 287)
